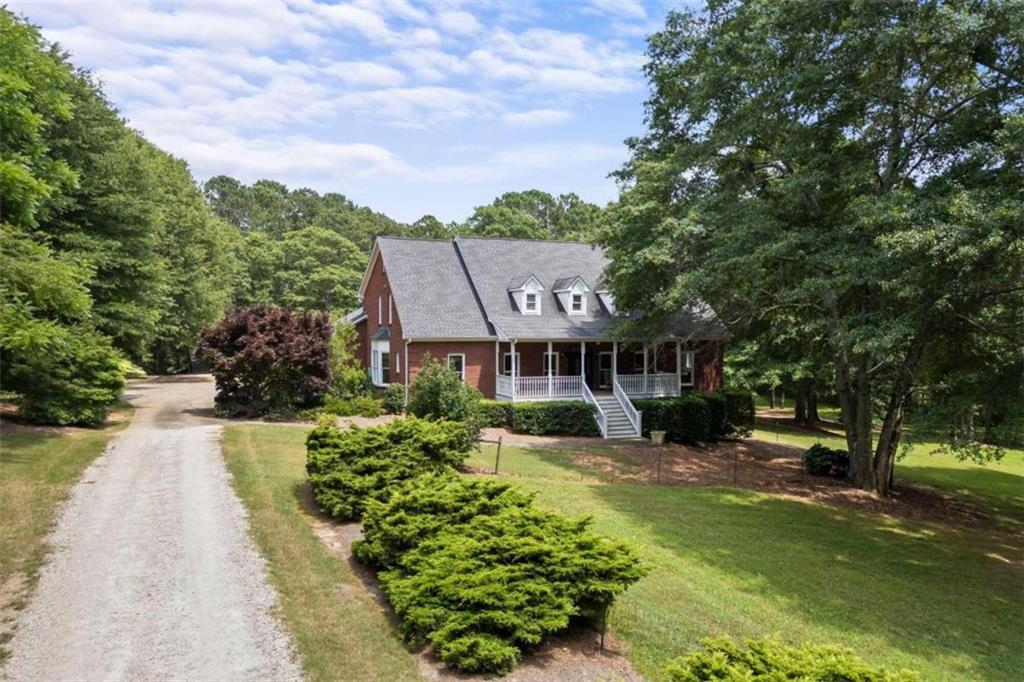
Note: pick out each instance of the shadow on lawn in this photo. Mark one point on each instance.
(881, 577)
(1002, 496)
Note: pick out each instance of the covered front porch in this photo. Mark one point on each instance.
(570, 370)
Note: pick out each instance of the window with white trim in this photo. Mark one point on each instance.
(391, 308)
(576, 304)
(686, 370)
(551, 362)
(380, 315)
(531, 302)
(380, 362)
(457, 364)
(506, 363)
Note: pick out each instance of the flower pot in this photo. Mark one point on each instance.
(658, 437)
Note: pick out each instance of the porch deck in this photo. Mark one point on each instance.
(562, 387)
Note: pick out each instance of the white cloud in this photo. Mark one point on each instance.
(418, 107)
(633, 9)
(366, 73)
(458, 22)
(536, 117)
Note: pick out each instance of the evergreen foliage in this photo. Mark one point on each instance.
(394, 399)
(684, 419)
(821, 460)
(768, 661)
(483, 590)
(348, 468)
(555, 418)
(266, 358)
(439, 393)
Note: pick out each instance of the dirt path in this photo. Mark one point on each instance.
(153, 575)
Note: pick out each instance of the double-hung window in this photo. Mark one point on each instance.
(457, 364)
(576, 303)
(550, 363)
(531, 302)
(507, 363)
(686, 368)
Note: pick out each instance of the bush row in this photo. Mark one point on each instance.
(768, 660)
(556, 418)
(473, 568)
(698, 416)
(349, 467)
(364, 406)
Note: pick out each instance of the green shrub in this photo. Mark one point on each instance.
(364, 406)
(494, 412)
(425, 505)
(439, 393)
(347, 468)
(739, 410)
(560, 418)
(480, 591)
(720, 426)
(394, 399)
(348, 377)
(820, 460)
(770, 661)
(73, 382)
(685, 418)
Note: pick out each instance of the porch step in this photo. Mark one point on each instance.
(618, 423)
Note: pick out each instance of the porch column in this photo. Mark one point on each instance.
(646, 387)
(515, 370)
(583, 364)
(615, 363)
(679, 367)
(551, 368)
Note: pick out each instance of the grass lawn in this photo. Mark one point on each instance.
(38, 467)
(340, 631)
(941, 600)
(996, 486)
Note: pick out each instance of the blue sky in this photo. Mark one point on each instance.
(411, 108)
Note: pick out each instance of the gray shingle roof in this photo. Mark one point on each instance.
(460, 289)
(430, 289)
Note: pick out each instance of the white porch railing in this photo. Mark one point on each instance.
(600, 416)
(633, 414)
(540, 388)
(503, 386)
(653, 385)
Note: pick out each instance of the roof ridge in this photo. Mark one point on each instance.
(526, 239)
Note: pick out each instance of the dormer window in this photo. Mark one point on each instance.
(577, 304)
(572, 294)
(526, 292)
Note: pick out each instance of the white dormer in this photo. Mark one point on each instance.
(607, 300)
(527, 295)
(572, 294)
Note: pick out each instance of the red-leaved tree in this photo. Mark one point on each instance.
(265, 358)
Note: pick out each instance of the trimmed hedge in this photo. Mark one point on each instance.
(422, 507)
(496, 413)
(768, 661)
(685, 418)
(474, 569)
(739, 410)
(347, 468)
(559, 418)
(821, 460)
(720, 426)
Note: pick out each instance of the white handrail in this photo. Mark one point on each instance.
(600, 416)
(548, 387)
(634, 415)
(503, 385)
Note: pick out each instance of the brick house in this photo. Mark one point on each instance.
(524, 320)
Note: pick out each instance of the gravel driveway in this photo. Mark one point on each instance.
(153, 576)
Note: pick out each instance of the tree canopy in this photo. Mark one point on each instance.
(847, 174)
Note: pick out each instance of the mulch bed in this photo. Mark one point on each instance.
(765, 467)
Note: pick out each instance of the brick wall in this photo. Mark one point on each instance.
(379, 289)
(479, 360)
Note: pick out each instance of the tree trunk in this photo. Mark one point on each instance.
(800, 403)
(854, 392)
(812, 404)
(771, 399)
(892, 424)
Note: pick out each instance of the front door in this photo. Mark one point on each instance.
(604, 369)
